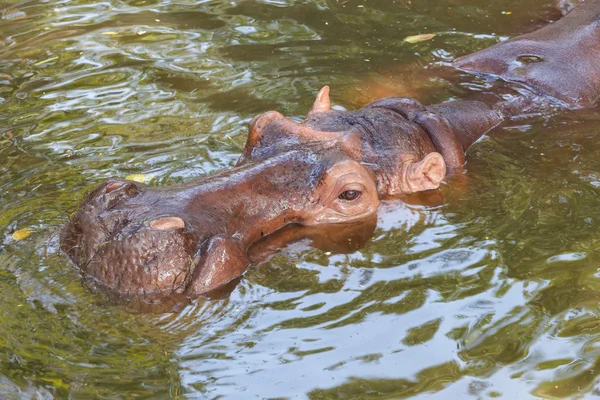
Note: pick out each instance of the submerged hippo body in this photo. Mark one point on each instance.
(560, 61)
(192, 238)
(334, 167)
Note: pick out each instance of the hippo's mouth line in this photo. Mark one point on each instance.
(89, 260)
(109, 237)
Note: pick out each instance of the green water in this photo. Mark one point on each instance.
(489, 292)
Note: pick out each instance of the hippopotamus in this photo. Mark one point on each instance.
(334, 167)
(560, 62)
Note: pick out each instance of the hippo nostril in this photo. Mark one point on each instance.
(113, 186)
(113, 192)
(167, 223)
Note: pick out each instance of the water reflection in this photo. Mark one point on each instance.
(488, 290)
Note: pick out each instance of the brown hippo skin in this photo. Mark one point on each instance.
(191, 238)
(407, 146)
(332, 168)
(560, 60)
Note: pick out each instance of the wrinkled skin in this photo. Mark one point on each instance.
(332, 168)
(192, 238)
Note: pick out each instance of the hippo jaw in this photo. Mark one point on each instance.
(190, 239)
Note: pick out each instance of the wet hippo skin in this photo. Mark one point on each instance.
(334, 167)
(561, 60)
(192, 238)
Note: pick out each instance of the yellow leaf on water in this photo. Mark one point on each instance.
(141, 178)
(109, 33)
(21, 234)
(419, 38)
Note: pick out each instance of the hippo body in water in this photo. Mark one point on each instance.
(334, 167)
(560, 61)
(191, 238)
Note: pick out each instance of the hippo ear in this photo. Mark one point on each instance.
(322, 102)
(426, 174)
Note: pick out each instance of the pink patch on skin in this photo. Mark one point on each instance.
(167, 223)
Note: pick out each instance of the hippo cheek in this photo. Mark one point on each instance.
(220, 260)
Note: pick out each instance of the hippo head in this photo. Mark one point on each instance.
(396, 138)
(188, 239)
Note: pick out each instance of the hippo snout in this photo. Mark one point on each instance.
(93, 224)
(135, 240)
(125, 246)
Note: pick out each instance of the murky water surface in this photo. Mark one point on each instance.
(490, 292)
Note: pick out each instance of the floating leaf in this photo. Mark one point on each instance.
(21, 234)
(419, 38)
(141, 178)
(109, 33)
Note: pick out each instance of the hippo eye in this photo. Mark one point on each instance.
(349, 195)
